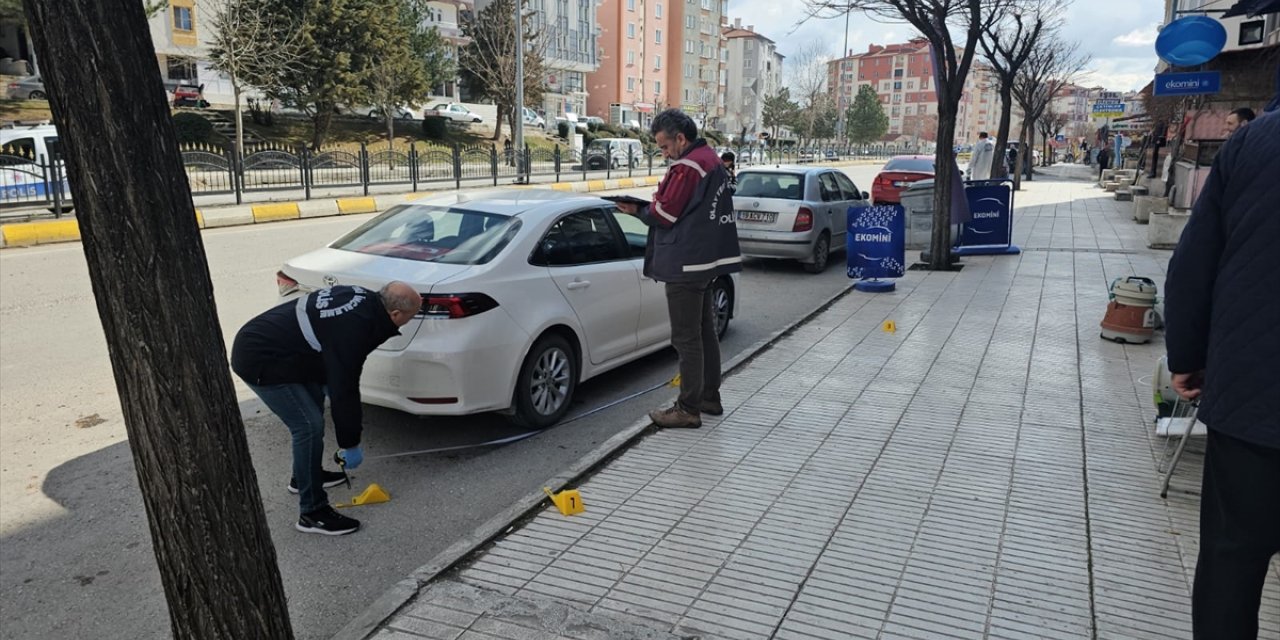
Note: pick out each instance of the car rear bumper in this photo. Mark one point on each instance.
(776, 244)
(452, 367)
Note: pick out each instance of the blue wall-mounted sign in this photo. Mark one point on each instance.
(1188, 84)
(876, 242)
(1190, 41)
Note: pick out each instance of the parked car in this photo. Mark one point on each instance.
(526, 294)
(613, 153)
(578, 122)
(898, 174)
(454, 111)
(532, 119)
(794, 212)
(28, 88)
(402, 112)
(598, 122)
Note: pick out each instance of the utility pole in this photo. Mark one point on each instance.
(517, 124)
(840, 105)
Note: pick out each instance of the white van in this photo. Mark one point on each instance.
(27, 153)
(613, 153)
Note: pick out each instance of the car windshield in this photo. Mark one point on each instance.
(917, 165)
(757, 184)
(598, 145)
(424, 233)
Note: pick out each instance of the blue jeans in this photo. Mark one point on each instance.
(301, 407)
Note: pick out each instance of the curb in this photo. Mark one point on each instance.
(392, 600)
(26, 234)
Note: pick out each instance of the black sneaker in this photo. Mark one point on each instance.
(328, 479)
(326, 521)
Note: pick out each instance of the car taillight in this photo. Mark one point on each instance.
(456, 305)
(286, 284)
(804, 220)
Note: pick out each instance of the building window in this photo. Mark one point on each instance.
(897, 73)
(657, 62)
(631, 29)
(657, 36)
(688, 46)
(657, 10)
(631, 5)
(631, 84)
(631, 58)
(897, 86)
(657, 87)
(182, 19)
(690, 22)
(177, 68)
(748, 63)
(686, 95)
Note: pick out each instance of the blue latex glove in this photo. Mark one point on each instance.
(351, 458)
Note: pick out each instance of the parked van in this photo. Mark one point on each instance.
(27, 156)
(613, 153)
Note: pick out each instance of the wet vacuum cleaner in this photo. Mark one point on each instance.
(1131, 314)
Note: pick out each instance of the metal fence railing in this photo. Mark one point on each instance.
(27, 180)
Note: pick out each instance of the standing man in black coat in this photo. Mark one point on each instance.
(1223, 338)
(295, 354)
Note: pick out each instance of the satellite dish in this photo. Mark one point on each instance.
(1190, 41)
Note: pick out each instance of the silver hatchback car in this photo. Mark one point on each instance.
(794, 212)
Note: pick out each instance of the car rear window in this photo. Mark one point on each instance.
(425, 233)
(760, 184)
(918, 165)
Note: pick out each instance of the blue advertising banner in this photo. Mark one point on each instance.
(1188, 84)
(990, 226)
(877, 241)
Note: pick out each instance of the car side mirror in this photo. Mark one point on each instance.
(866, 196)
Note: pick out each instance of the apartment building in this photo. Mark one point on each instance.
(631, 80)
(572, 52)
(446, 16)
(902, 76)
(754, 73)
(699, 81)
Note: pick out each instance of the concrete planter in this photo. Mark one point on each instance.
(1144, 206)
(1111, 186)
(1165, 229)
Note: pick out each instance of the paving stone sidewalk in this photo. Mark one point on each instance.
(989, 470)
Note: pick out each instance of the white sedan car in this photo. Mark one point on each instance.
(526, 292)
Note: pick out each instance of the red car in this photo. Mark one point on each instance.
(897, 175)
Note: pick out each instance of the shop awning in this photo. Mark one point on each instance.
(1253, 8)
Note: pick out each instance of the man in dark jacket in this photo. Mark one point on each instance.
(693, 240)
(1223, 338)
(291, 356)
(1104, 158)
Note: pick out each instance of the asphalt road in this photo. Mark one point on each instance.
(75, 553)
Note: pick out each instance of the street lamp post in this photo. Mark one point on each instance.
(517, 121)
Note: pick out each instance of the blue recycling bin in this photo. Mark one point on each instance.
(989, 230)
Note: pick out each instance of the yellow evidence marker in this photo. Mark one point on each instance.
(373, 495)
(889, 327)
(568, 501)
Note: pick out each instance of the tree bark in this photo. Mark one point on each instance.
(235, 89)
(497, 123)
(944, 158)
(151, 283)
(321, 121)
(391, 127)
(1002, 136)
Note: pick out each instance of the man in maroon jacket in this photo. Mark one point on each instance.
(693, 240)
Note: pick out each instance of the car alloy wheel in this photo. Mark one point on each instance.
(37, 95)
(821, 254)
(721, 305)
(547, 382)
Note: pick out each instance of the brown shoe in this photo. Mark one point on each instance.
(712, 408)
(674, 417)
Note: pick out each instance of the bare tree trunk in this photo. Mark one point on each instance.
(1002, 136)
(1017, 159)
(320, 124)
(497, 123)
(945, 157)
(391, 129)
(151, 283)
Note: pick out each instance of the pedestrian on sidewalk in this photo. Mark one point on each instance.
(1238, 118)
(1104, 158)
(693, 240)
(984, 151)
(1223, 339)
(293, 355)
(729, 160)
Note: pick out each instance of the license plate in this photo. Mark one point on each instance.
(757, 216)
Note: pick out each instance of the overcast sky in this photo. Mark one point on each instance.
(1119, 34)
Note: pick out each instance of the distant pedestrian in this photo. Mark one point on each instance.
(1223, 340)
(984, 151)
(295, 354)
(693, 240)
(1238, 118)
(1104, 160)
(729, 161)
